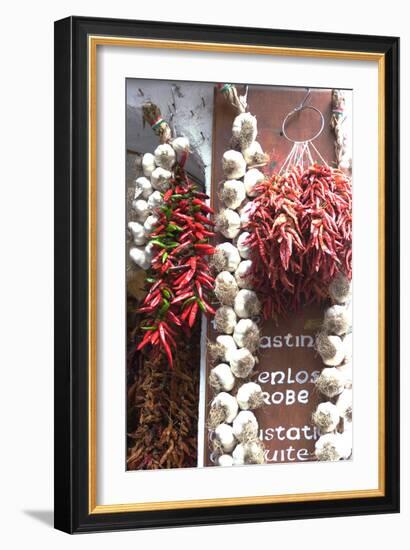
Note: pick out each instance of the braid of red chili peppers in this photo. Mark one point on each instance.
(179, 281)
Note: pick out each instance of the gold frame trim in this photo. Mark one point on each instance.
(93, 42)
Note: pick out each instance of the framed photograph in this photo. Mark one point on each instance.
(226, 274)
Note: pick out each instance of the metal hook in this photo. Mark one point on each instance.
(302, 106)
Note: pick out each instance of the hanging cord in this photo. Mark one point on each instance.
(238, 102)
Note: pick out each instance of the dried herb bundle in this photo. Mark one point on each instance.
(300, 229)
(179, 281)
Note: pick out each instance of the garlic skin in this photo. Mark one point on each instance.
(148, 164)
(242, 362)
(344, 404)
(243, 274)
(231, 256)
(238, 455)
(139, 256)
(233, 165)
(245, 426)
(340, 289)
(245, 212)
(348, 347)
(225, 460)
(138, 233)
(228, 223)
(150, 223)
(245, 129)
(233, 193)
(164, 156)
(228, 345)
(254, 155)
(229, 403)
(330, 447)
(347, 371)
(326, 417)
(246, 304)
(246, 334)
(331, 349)
(252, 178)
(225, 320)
(248, 453)
(249, 396)
(331, 382)
(221, 378)
(225, 437)
(337, 320)
(155, 200)
(143, 188)
(243, 249)
(226, 288)
(180, 146)
(160, 179)
(141, 209)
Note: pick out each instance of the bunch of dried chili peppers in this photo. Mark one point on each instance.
(179, 280)
(300, 229)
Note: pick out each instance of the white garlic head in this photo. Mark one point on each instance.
(139, 257)
(245, 213)
(344, 404)
(243, 274)
(249, 396)
(226, 288)
(242, 362)
(155, 200)
(224, 437)
(330, 348)
(228, 346)
(164, 156)
(225, 320)
(150, 223)
(253, 177)
(140, 207)
(238, 455)
(225, 460)
(226, 257)
(228, 223)
(332, 447)
(233, 165)
(148, 164)
(347, 371)
(348, 347)
(225, 406)
(247, 304)
(232, 193)
(254, 155)
(340, 289)
(243, 248)
(326, 417)
(337, 320)
(143, 188)
(246, 334)
(245, 426)
(160, 179)
(221, 378)
(331, 382)
(244, 129)
(138, 233)
(180, 145)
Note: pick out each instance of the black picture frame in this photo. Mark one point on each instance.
(72, 278)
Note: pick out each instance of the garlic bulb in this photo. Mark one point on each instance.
(227, 345)
(331, 382)
(332, 447)
(249, 396)
(155, 200)
(248, 453)
(228, 223)
(148, 164)
(226, 257)
(164, 156)
(330, 348)
(143, 188)
(138, 233)
(244, 129)
(238, 455)
(242, 362)
(340, 289)
(247, 334)
(252, 178)
(348, 347)
(221, 378)
(180, 146)
(344, 404)
(337, 320)
(233, 165)
(224, 408)
(326, 417)
(232, 193)
(225, 320)
(243, 248)
(224, 437)
(246, 303)
(245, 426)
(226, 288)
(243, 274)
(254, 155)
(347, 371)
(139, 256)
(225, 460)
(141, 209)
(150, 223)
(160, 179)
(245, 213)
